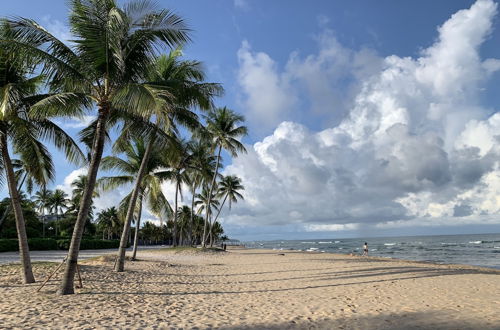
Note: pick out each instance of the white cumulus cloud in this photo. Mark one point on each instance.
(413, 145)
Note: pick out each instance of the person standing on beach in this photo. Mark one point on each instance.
(365, 250)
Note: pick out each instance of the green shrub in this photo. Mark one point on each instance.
(42, 244)
(89, 244)
(7, 245)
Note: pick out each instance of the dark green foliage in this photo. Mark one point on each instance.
(38, 244)
(89, 244)
(8, 245)
(8, 227)
(42, 244)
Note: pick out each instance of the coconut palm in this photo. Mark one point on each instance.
(223, 130)
(108, 221)
(42, 199)
(229, 188)
(104, 67)
(201, 169)
(205, 205)
(58, 202)
(177, 172)
(22, 175)
(78, 188)
(23, 133)
(129, 168)
(184, 83)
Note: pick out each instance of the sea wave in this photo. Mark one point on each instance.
(389, 244)
(475, 242)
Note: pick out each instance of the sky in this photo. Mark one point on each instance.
(366, 118)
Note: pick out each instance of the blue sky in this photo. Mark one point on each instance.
(366, 118)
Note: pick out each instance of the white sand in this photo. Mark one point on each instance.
(258, 289)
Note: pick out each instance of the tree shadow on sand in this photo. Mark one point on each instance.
(436, 320)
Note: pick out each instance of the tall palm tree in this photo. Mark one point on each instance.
(129, 168)
(185, 219)
(103, 67)
(58, 202)
(23, 133)
(201, 169)
(223, 130)
(184, 83)
(177, 173)
(229, 188)
(42, 199)
(206, 204)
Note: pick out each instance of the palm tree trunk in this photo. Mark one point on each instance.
(175, 214)
(120, 264)
(24, 252)
(220, 209)
(210, 196)
(137, 227)
(192, 216)
(67, 286)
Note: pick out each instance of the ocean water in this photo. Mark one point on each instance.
(477, 250)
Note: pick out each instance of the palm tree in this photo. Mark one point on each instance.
(108, 221)
(223, 129)
(228, 188)
(129, 168)
(41, 199)
(23, 132)
(206, 203)
(78, 186)
(104, 66)
(58, 202)
(184, 217)
(177, 173)
(184, 83)
(201, 169)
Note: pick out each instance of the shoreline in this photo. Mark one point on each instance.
(424, 262)
(95, 254)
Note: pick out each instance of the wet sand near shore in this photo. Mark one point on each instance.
(257, 289)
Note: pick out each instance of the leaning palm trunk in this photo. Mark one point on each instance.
(174, 242)
(220, 209)
(67, 286)
(120, 264)
(210, 198)
(190, 240)
(137, 227)
(18, 213)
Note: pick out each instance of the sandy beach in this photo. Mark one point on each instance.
(257, 289)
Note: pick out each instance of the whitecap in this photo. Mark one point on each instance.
(476, 242)
(389, 244)
(325, 242)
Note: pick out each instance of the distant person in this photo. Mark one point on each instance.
(365, 249)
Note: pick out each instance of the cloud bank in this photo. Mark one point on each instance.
(409, 142)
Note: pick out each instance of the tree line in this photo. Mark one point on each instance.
(123, 66)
